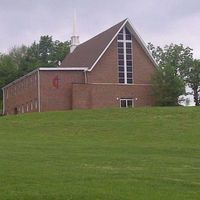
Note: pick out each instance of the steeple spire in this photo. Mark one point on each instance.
(74, 23)
(74, 39)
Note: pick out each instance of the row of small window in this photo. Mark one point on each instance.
(128, 68)
(128, 62)
(121, 57)
(121, 45)
(129, 75)
(128, 80)
(121, 37)
(126, 31)
(121, 51)
(127, 35)
(29, 106)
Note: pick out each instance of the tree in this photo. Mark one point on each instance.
(21, 60)
(8, 71)
(60, 50)
(169, 81)
(167, 86)
(193, 80)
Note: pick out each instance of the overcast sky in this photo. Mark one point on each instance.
(158, 21)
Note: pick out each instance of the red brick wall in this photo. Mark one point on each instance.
(106, 70)
(143, 67)
(58, 98)
(108, 95)
(22, 96)
(70, 92)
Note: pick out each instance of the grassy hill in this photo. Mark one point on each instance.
(119, 154)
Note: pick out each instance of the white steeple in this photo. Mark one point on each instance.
(74, 38)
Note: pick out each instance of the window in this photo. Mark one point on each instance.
(121, 51)
(121, 56)
(36, 104)
(120, 44)
(6, 94)
(121, 68)
(31, 105)
(22, 108)
(27, 107)
(125, 63)
(15, 90)
(35, 78)
(126, 103)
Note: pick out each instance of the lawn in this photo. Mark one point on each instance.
(117, 154)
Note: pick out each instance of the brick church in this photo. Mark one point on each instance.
(112, 69)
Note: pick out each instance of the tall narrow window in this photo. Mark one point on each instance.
(125, 60)
(22, 108)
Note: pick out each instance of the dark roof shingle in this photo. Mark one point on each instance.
(88, 52)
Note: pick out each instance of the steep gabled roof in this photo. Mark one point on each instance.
(88, 53)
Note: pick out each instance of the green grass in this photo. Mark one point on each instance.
(119, 154)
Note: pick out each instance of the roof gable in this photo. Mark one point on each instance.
(89, 53)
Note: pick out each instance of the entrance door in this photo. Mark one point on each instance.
(126, 103)
(15, 111)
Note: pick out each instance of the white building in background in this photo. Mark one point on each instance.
(188, 99)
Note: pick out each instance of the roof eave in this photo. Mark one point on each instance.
(138, 38)
(63, 69)
(90, 69)
(142, 43)
(20, 78)
(46, 69)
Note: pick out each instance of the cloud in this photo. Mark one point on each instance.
(159, 22)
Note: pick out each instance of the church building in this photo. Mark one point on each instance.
(112, 69)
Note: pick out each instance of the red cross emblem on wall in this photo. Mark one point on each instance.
(55, 82)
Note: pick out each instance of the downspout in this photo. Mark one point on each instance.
(86, 78)
(39, 97)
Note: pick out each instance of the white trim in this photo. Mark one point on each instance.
(47, 69)
(63, 69)
(136, 36)
(39, 97)
(125, 64)
(3, 102)
(125, 42)
(122, 84)
(107, 46)
(142, 43)
(85, 75)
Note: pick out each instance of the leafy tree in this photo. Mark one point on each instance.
(60, 50)
(8, 70)
(177, 56)
(21, 60)
(169, 81)
(30, 61)
(167, 86)
(193, 80)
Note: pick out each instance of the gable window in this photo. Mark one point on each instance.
(126, 103)
(125, 63)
